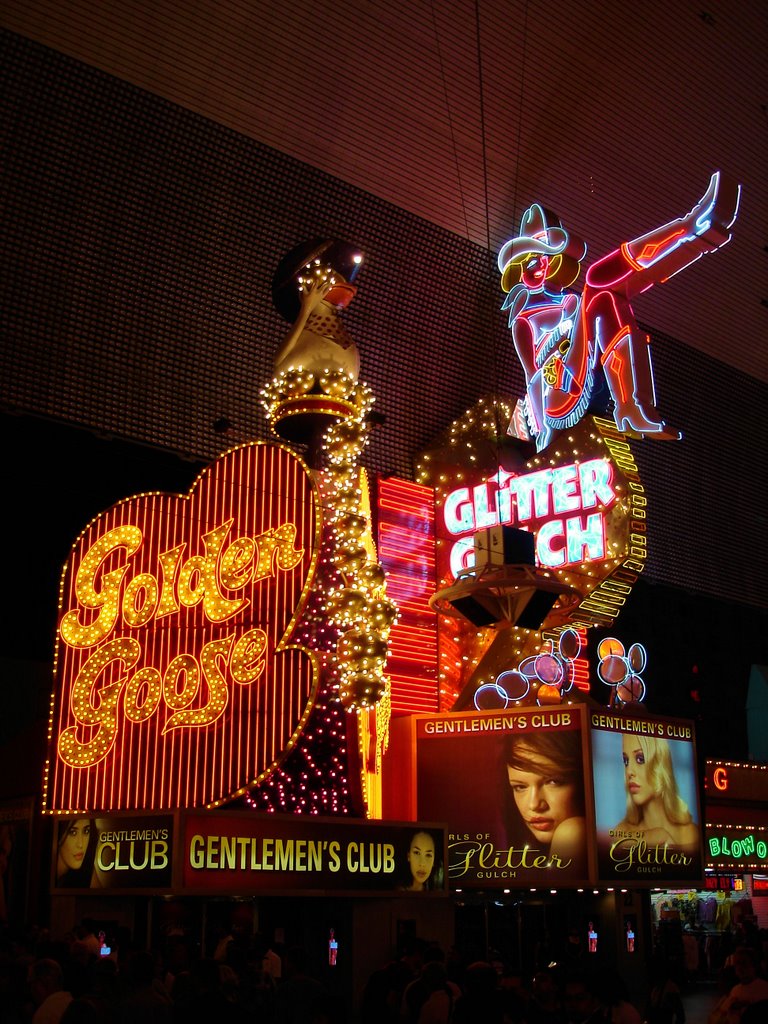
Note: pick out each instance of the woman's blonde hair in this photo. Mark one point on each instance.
(661, 776)
(561, 272)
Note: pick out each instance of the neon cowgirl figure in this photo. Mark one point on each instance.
(561, 337)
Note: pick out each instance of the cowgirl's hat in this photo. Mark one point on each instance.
(541, 233)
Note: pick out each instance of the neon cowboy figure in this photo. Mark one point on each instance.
(563, 340)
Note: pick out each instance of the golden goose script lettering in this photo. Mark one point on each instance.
(114, 605)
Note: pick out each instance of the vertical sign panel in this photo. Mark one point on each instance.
(513, 789)
(406, 542)
(646, 799)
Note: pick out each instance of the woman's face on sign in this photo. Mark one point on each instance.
(636, 772)
(533, 272)
(421, 858)
(545, 798)
(74, 845)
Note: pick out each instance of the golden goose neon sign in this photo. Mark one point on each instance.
(175, 680)
(201, 579)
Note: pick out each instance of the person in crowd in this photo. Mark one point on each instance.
(146, 1000)
(544, 795)
(515, 998)
(655, 810)
(545, 1005)
(755, 1013)
(615, 997)
(76, 853)
(104, 990)
(87, 939)
(81, 1011)
(240, 932)
(258, 982)
(204, 994)
(383, 992)
(422, 867)
(583, 1002)
(177, 959)
(482, 999)
(438, 996)
(299, 992)
(14, 984)
(46, 986)
(6, 850)
(575, 949)
(691, 953)
(328, 1008)
(429, 999)
(749, 989)
(665, 1004)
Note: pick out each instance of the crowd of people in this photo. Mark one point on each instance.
(79, 981)
(248, 982)
(424, 986)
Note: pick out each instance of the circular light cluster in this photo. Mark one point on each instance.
(550, 672)
(620, 669)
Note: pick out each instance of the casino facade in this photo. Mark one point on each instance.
(358, 571)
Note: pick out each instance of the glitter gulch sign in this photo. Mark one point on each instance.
(177, 682)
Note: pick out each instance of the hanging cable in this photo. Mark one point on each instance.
(484, 145)
(450, 119)
(515, 213)
(490, 326)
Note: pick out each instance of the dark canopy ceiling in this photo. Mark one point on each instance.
(614, 114)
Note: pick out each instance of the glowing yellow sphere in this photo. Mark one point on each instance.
(350, 558)
(362, 689)
(372, 575)
(349, 431)
(297, 382)
(347, 602)
(352, 525)
(337, 384)
(340, 472)
(358, 649)
(347, 497)
(382, 613)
